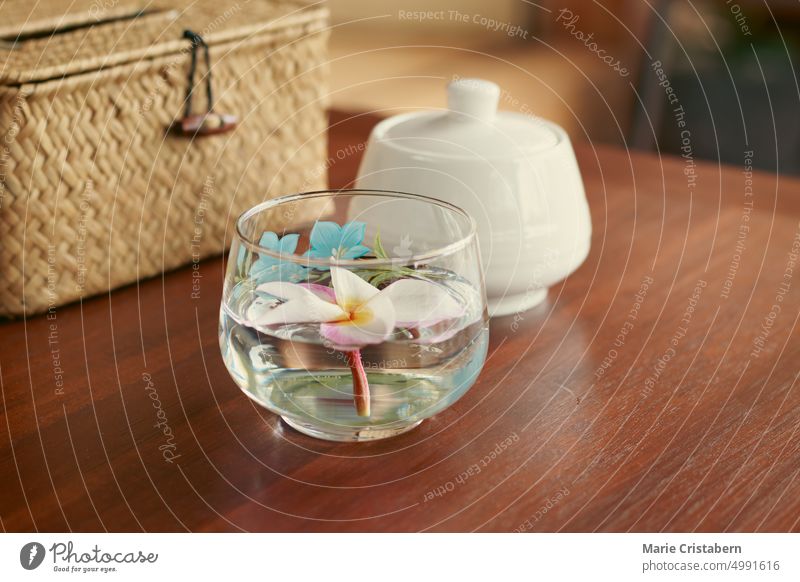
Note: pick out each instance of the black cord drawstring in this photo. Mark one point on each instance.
(210, 122)
(197, 41)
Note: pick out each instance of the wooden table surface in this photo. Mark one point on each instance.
(655, 390)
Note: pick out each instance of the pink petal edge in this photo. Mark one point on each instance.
(321, 291)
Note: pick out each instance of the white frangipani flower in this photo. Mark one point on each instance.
(353, 313)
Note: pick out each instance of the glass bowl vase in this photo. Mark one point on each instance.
(361, 316)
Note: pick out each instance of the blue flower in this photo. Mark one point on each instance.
(329, 240)
(268, 268)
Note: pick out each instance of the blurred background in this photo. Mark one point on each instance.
(609, 71)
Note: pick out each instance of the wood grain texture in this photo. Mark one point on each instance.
(685, 428)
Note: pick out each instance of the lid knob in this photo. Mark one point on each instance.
(476, 98)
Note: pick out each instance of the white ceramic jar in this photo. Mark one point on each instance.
(515, 174)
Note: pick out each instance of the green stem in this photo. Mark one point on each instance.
(360, 382)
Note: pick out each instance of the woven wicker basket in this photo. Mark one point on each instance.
(97, 189)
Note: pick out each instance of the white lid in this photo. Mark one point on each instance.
(471, 127)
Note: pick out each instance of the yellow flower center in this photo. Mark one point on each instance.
(358, 316)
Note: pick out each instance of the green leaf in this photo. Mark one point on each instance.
(382, 277)
(378, 248)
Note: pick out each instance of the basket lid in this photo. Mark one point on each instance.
(36, 46)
